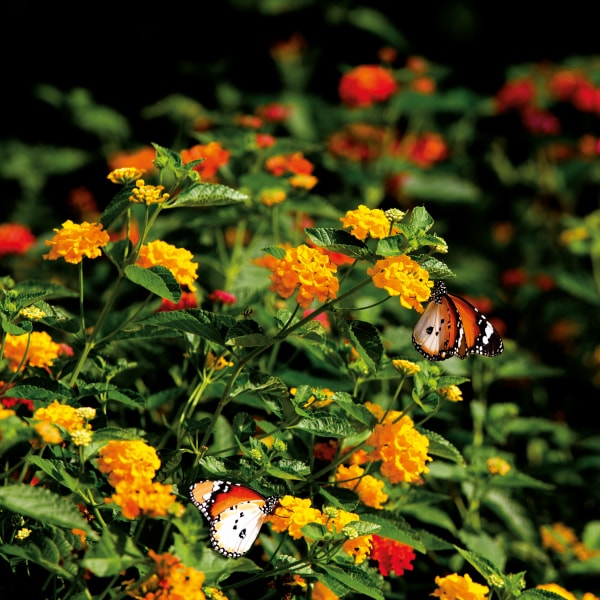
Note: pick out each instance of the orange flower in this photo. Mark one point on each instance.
(365, 85)
(142, 158)
(143, 498)
(307, 270)
(401, 276)
(187, 300)
(15, 239)
(177, 260)
(294, 163)
(307, 182)
(42, 350)
(369, 489)
(128, 460)
(73, 242)
(272, 196)
(214, 155)
(321, 592)
(359, 142)
(293, 514)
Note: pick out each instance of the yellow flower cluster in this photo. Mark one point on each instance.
(308, 270)
(293, 514)
(272, 196)
(177, 260)
(452, 393)
(400, 447)
(171, 579)
(497, 466)
(73, 242)
(147, 194)
(42, 350)
(365, 222)
(368, 488)
(402, 276)
(47, 421)
(406, 367)
(125, 175)
(131, 466)
(459, 587)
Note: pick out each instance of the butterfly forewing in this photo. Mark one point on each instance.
(235, 514)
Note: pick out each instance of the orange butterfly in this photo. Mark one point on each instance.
(452, 326)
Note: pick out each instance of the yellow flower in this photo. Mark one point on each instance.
(81, 437)
(402, 276)
(60, 414)
(369, 489)
(147, 194)
(171, 580)
(307, 270)
(128, 460)
(177, 260)
(125, 175)
(452, 393)
(557, 589)
(459, 587)
(6, 412)
(497, 466)
(42, 350)
(32, 313)
(293, 514)
(303, 180)
(23, 533)
(365, 222)
(563, 539)
(273, 196)
(405, 366)
(359, 547)
(400, 447)
(73, 242)
(49, 433)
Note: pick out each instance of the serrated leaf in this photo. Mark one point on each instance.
(440, 446)
(359, 580)
(205, 324)
(354, 410)
(366, 341)
(115, 552)
(43, 505)
(56, 470)
(157, 279)
(116, 207)
(33, 392)
(396, 528)
(208, 194)
(481, 564)
(326, 426)
(338, 240)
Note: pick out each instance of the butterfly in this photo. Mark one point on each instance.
(234, 512)
(452, 326)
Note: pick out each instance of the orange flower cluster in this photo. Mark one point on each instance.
(300, 167)
(214, 155)
(73, 242)
(272, 196)
(358, 142)
(177, 260)
(497, 466)
(73, 420)
(368, 488)
(15, 239)
(401, 276)
(366, 84)
(564, 540)
(171, 580)
(293, 514)
(36, 349)
(131, 466)
(125, 175)
(142, 158)
(456, 586)
(366, 222)
(400, 447)
(307, 270)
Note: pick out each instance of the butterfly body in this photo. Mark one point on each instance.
(452, 326)
(235, 513)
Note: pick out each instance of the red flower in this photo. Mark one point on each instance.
(392, 556)
(15, 239)
(223, 297)
(187, 300)
(274, 112)
(515, 94)
(365, 85)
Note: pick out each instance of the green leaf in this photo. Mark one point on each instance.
(116, 207)
(326, 426)
(482, 564)
(366, 341)
(32, 290)
(43, 505)
(199, 322)
(356, 411)
(56, 470)
(115, 552)
(276, 251)
(157, 279)
(338, 240)
(208, 194)
(32, 390)
(393, 526)
(440, 446)
(357, 579)
(442, 187)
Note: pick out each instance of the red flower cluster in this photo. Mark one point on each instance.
(392, 556)
(15, 239)
(365, 85)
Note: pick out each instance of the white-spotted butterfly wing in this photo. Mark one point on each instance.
(235, 514)
(452, 326)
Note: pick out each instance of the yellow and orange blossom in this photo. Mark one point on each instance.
(366, 222)
(36, 349)
(401, 276)
(459, 587)
(309, 271)
(73, 242)
(177, 260)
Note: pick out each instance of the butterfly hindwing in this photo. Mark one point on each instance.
(235, 514)
(452, 326)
